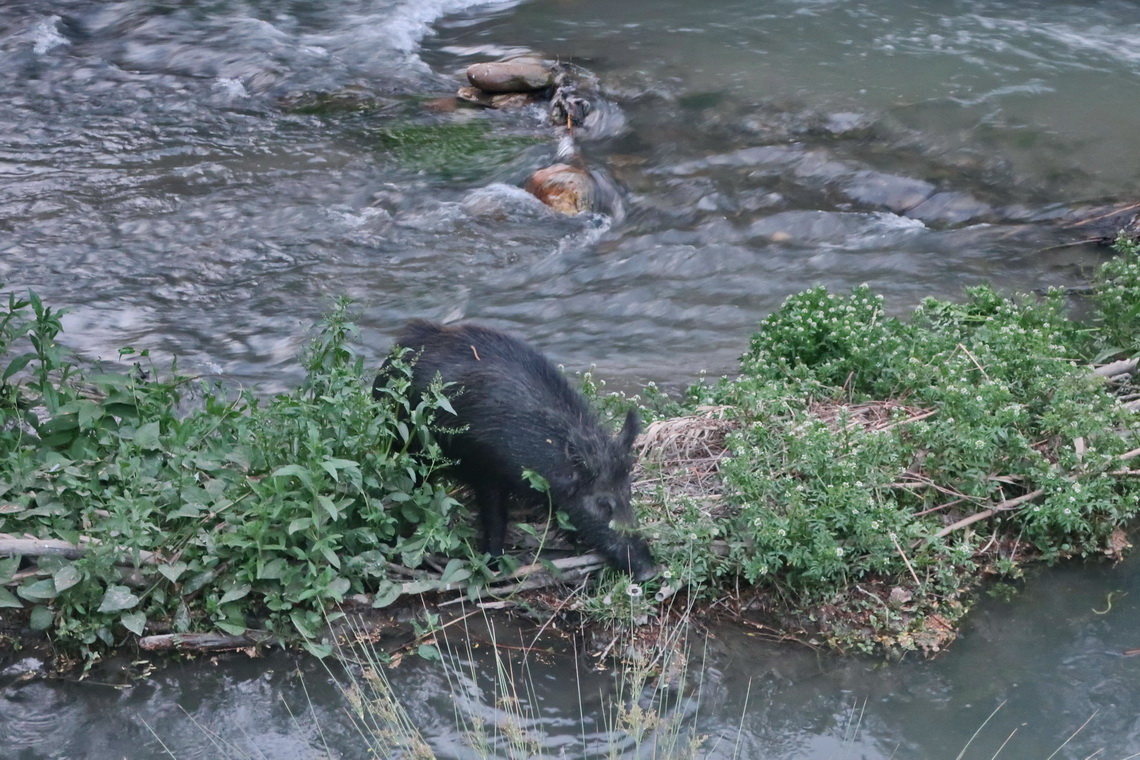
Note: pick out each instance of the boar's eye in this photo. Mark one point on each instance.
(605, 507)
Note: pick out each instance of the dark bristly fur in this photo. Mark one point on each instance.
(518, 412)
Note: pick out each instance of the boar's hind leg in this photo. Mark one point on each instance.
(493, 513)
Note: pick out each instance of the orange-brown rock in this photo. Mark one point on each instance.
(565, 188)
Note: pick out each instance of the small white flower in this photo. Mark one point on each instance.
(634, 590)
(839, 551)
(781, 532)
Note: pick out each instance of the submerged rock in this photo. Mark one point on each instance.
(491, 100)
(951, 209)
(516, 75)
(565, 188)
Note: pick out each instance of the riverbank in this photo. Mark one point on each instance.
(848, 489)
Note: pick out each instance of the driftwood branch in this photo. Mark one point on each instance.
(1009, 504)
(203, 642)
(530, 577)
(11, 546)
(1123, 367)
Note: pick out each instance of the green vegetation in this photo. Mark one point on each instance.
(195, 507)
(461, 151)
(863, 447)
(856, 479)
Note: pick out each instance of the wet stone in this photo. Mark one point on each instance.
(517, 75)
(566, 189)
(491, 100)
(896, 193)
(950, 209)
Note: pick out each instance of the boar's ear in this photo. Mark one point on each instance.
(629, 430)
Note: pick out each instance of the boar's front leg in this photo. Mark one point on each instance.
(492, 501)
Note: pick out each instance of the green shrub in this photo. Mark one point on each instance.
(229, 512)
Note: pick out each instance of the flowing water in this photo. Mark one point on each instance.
(202, 179)
(1050, 663)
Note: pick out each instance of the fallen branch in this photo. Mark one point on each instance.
(1122, 367)
(203, 642)
(10, 546)
(1004, 506)
(1009, 504)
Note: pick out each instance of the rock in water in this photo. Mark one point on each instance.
(517, 75)
(487, 100)
(565, 188)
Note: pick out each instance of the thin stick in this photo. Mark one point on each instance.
(974, 360)
(975, 736)
(1004, 506)
(902, 554)
(1073, 735)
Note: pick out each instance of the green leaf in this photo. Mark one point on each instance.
(181, 622)
(134, 622)
(272, 570)
(332, 465)
(8, 568)
(118, 598)
(17, 364)
(296, 471)
(38, 591)
(300, 523)
(8, 599)
(235, 593)
(320, 651)
(198, 581)
(233, 629)
(386, 593)
(331, 556)
(455, 571)
(329, 506)
(430, 652)
(89, 414)
(66, 577)
(147, 437)
(338, 588)
(301, 624)
(41, 618)
(172, 570)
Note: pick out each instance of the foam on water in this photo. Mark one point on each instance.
(45, 35)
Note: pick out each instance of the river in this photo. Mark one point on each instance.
(162, 177)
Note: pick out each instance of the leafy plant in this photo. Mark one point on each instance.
(197, 507)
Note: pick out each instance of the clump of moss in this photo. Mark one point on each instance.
(460, 151)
